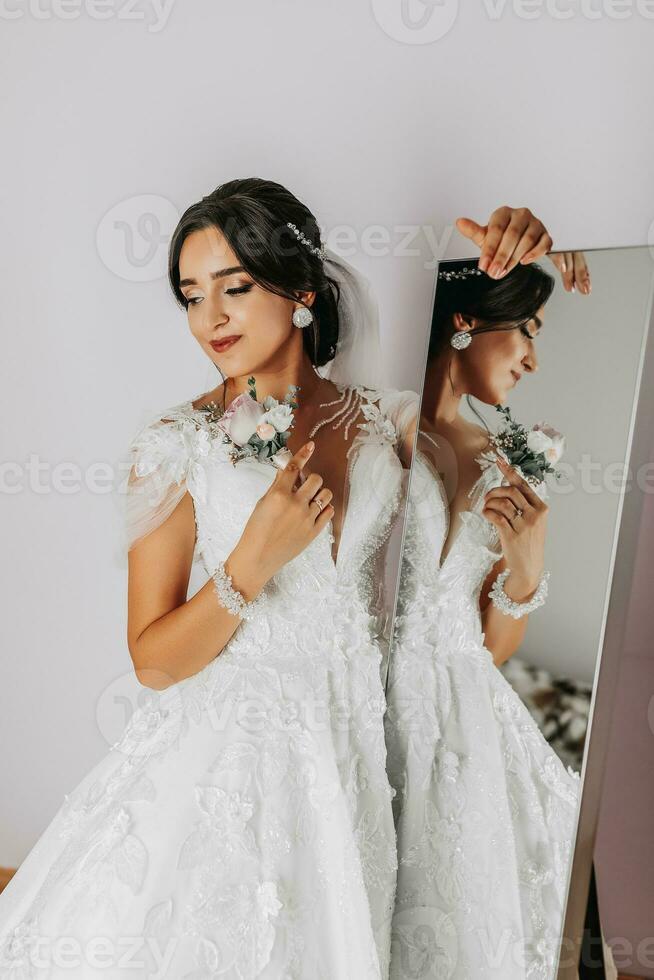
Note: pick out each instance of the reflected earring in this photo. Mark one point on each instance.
(302, 317)
(461, 339)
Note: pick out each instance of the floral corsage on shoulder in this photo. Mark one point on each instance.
(253, 429)
(533, 452)
(377, 424)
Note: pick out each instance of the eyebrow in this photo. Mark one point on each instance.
(214, 275)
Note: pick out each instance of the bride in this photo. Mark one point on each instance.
(242, 825)
(485, 810)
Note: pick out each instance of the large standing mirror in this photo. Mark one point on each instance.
(500, 634)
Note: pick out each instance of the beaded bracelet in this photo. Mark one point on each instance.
(231, 598)
(509, 606)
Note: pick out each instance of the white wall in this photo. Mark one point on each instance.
(333, 99)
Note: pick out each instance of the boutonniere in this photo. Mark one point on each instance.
(255, 429)
(531, 451)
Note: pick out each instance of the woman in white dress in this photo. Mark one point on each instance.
(485, 810)
(242, 825)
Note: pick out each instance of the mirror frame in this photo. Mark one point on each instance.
(609, 655)
(612, 631)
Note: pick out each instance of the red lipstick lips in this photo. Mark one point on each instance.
(225, 343)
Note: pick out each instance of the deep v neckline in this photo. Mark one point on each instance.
(334, 561)
(442, 561)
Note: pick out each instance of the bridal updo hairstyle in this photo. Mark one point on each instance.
(509, 302)
(503, 304)
(252, 214)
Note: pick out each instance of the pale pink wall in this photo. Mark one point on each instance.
(624, 853)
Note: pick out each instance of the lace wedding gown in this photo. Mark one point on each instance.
(485, 810)
(242, 825)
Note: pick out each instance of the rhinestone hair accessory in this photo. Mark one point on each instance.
(459, 273)
(320, 252)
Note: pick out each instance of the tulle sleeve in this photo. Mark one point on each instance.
(162, 462)
(401, 407)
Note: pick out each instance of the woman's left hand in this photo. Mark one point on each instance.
(522, 537)
(512, 235)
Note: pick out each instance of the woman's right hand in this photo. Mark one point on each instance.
(284, 521)
(573, 269)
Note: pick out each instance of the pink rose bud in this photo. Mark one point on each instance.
(266, 431)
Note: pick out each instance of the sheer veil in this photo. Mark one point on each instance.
(358, 358)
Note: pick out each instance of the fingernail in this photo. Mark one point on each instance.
(494, 269)
(483, 263)
(311, 446)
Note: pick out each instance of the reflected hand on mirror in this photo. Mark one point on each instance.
(512, 235)
(522, 537)
(574, 271)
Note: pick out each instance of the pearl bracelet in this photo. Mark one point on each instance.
(231, 598)
(509, 606)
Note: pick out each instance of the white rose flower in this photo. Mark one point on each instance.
(280, 416)
(545, 439)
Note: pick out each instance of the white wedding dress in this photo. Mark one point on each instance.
(242, 825)
(485, 810)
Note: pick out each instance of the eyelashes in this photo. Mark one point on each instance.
(234, 291)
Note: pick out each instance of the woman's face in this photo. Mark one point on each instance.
(243, 328)
(495, 361)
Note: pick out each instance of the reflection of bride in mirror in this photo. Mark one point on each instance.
(485, 809)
